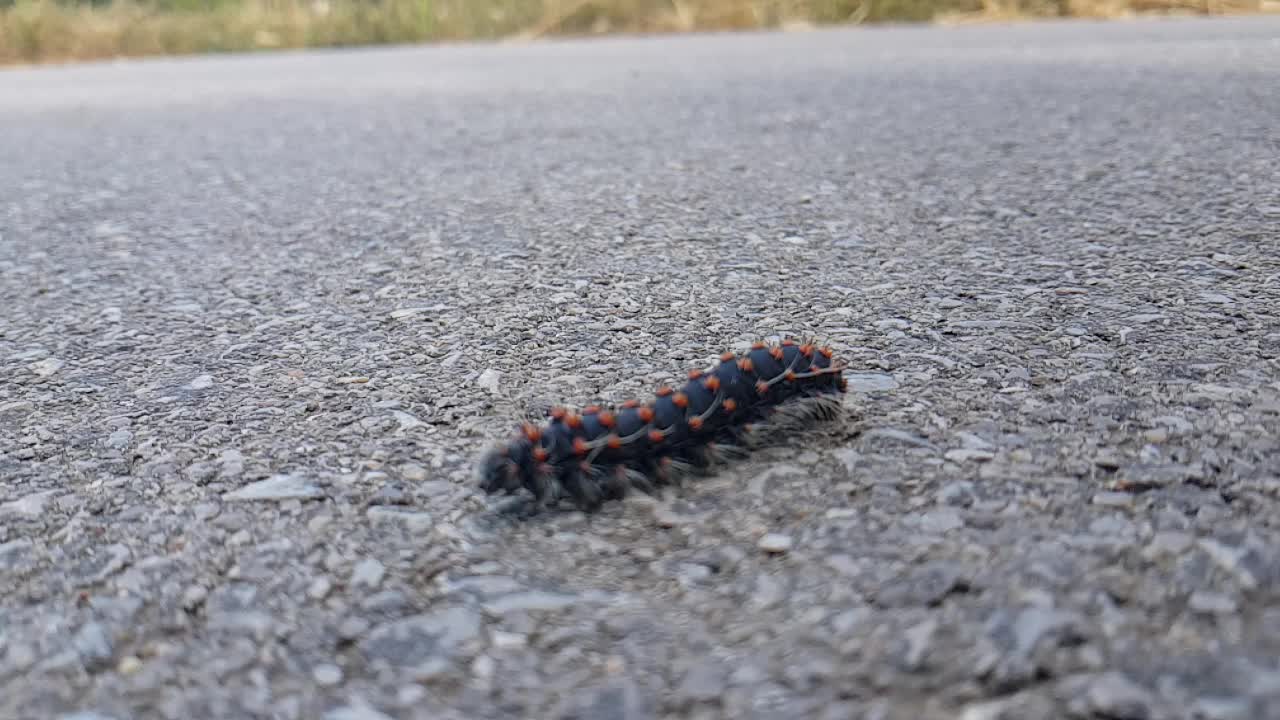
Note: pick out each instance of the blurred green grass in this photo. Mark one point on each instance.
(38, 31)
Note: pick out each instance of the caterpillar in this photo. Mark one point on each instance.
(599, 454)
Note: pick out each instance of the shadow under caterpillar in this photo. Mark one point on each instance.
(600, 454)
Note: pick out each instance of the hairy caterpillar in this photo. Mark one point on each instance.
(599, 454)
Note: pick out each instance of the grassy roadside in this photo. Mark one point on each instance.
(39, 31)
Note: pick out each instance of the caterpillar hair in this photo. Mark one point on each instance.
(600, 454)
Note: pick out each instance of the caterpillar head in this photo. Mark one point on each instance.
(498, 471)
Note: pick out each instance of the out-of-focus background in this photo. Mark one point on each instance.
(34, 31)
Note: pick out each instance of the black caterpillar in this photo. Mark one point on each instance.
(600, 454)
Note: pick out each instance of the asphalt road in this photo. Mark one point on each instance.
(260, 314)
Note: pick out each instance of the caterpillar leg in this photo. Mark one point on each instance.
(581, 489)
(640, 482)
(616, 484)
(726, 452)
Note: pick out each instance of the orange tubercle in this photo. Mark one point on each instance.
(614, 442)
(712, 383)
(680, 400)
(655, 436)
(580, 446)
(573, 421)
(791, 376)
(591, 410)
(757, 345)
(745, 365)
(540, 454)
(806, 350)
(631, 403)
(762, 387)
(558, 413)
(531, 432)
(776, 353)
(695, 423)
(730, 405)
(727, 357)
(664, 391)
(646, 414)
(695, 374)
(826, 352)
(607, 419)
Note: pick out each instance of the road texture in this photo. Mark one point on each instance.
(261, 314)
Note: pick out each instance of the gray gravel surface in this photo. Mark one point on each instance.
(260, 315)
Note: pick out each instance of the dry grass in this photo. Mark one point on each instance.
(56, 30)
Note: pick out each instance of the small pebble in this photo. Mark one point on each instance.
(490, 380)
(319, 588)
(413, 472)
(201, 382)
(352, 628)
(962, 455)
(1168, 543)
(1211, 603)
(47, 367)
(1112, 695)
(941, 520)
(327, 675)
(483, 667)
(704, 682)
(507, 640)
(368, 573)
(1107, 459)
(194, 596)
(775, 543)
(1113, 499)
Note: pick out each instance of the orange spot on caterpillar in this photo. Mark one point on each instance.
(591, 410)
(680, 400)
(540, 454)
(558, 413)
(607, 419)
(573, 421)
(631, 404)
(646, 414)
(664, 391)
(614, 442)
(580, 446)
(727, 357)
(826, 352)
(745, 365)
(695, 423)
(695, 374)
(655, 436)
(730, 405)
(791, 376)
(806, 350)
(757, 345)
(531, 432)
(776, 353)
(788, 343)
(762, 387)
(712, 383)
